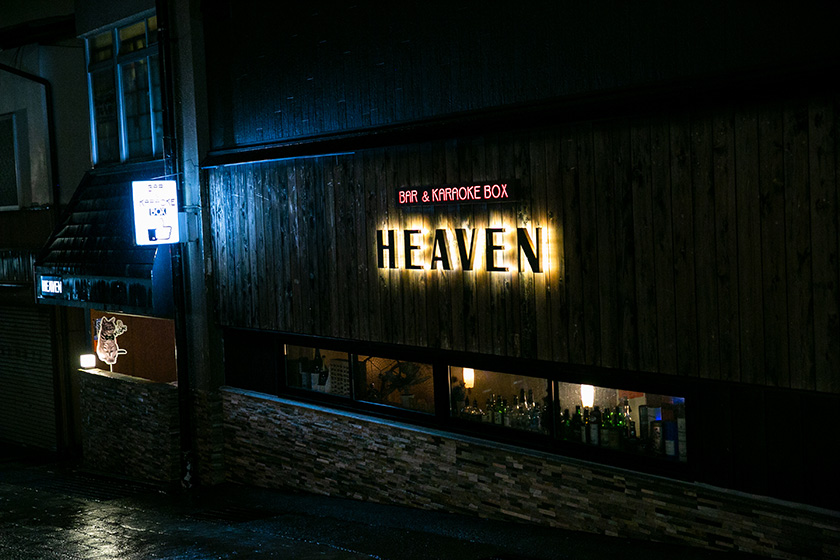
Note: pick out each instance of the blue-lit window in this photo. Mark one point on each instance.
(125, 103)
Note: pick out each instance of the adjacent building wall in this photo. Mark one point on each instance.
(130, 426)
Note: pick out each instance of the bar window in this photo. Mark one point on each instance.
(314, 369)
(513, 401)
(636, 422)
(399, 383)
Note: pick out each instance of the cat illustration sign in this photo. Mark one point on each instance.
(155, 212)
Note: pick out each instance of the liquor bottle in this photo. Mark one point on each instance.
(620, 423)
(506, 415)
(644, 425)
(584, 430)
(498, 412)
(681, 444)
(656, 441)
(317, 362)
(628, 420)
(536, 420)
(594, 430)
(488, 411)
(605, 438)
(576, 425)
(669, 431)
(567, 419)
(564, 425)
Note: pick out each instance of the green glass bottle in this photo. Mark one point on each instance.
(594, 426)
(620, 427)
(576, 426)
(605, 439)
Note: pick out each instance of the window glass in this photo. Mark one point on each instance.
(133, 37)
(101, 47)
(399, 383)
(8, 163)
(514, 401)
(153, 30)
(323, 371)
(137, 105)
(125, 96)
(644, 423)
(106, 133)
(157, 106)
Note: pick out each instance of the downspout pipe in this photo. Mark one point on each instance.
(56, 186)
(171, 169)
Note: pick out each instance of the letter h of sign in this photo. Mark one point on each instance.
(381, 247)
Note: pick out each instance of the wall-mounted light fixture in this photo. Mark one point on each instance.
(87, 361)
(469, 377)
(587, 395)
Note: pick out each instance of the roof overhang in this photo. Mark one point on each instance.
(91, 259)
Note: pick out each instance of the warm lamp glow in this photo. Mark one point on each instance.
(469, 378)
(587, 395)
(87, 361)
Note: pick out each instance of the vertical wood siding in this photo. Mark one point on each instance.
(701, 244)
(282, 70)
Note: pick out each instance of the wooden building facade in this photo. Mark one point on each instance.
(670, 222)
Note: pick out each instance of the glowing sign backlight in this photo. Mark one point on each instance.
(502, 249)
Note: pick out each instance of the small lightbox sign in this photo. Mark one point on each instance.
(51, 286)
(155, 212)
(480, 193)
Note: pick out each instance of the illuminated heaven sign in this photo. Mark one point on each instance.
(495, 191)
(155, 212)
(494, 249)
(51, 286)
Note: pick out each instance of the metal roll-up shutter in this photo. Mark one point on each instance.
(27, 393)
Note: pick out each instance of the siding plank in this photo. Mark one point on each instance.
(666, 313)
(749, 247)
(643, 236)
(726, 238)
(684, 248)
(589, 245)
(798, 248)
(625, 244)
(605, 185)
(703, 188)
(552, 221)
(774, 279)
(570, 252)
(824, 124)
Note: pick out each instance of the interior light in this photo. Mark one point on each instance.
(87, 361)
(469, 377)
(587, 395)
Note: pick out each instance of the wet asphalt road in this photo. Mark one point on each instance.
(51, 509)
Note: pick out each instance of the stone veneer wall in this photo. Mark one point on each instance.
(130, 426)
(277, 443)
(209, 437)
